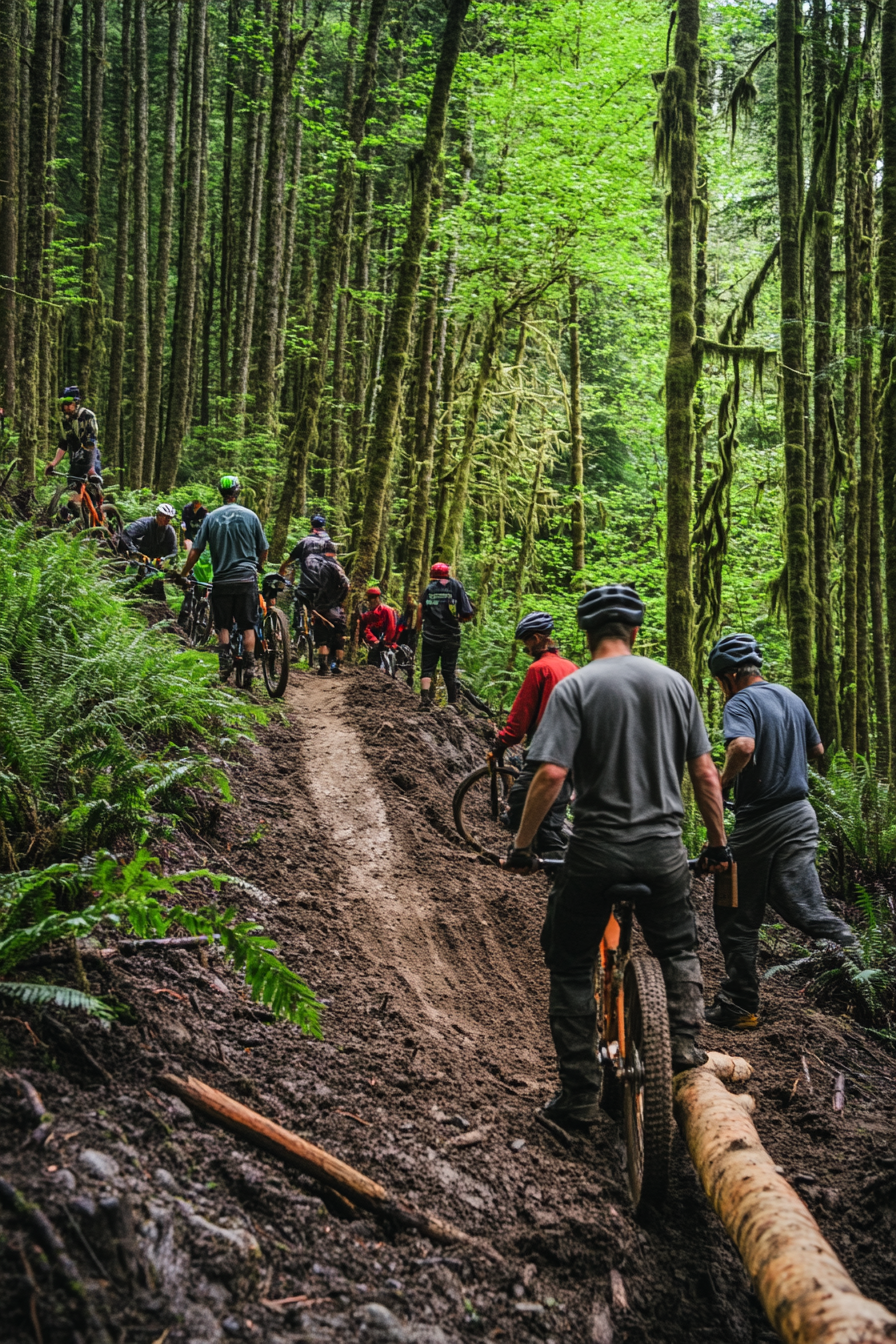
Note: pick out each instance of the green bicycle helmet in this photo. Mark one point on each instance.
(227, 484)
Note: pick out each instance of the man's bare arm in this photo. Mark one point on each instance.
(738, 754)
(708, 794)
(817, 750)
(543, 793)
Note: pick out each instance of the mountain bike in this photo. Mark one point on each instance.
(271, 650)
(480, 805)
(197, 623)
(95, 517)
(277, 589)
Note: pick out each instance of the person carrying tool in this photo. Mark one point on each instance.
(770, 737)
(313, 544)
(626, 727)
(546, 670)
(328, 585)
(442, 609)
(378, 624)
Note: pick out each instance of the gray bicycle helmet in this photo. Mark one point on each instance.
(536, 623)
(734, 651)
(609, 603)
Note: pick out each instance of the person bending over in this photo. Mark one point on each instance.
(328, 614)
(546, 670)
(441, 611)
(379, 626)
(153, 537)
(770, 737)
(626, 727)
(239, 549)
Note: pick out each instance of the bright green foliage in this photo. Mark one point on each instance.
(857, 815)
(41, 906)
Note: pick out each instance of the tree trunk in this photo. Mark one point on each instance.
(379, 456)
(678, 117)
(141, 246)
(120, 296)
(292, 215)
(182, 337)
(825, 153)
(305, 428)
(867, 437)
(576, 439)
(423, 445)
(799, 581)
(252, 225)
(363, 235)
(41, 75)
(879, 634)
(91, 314)
(852, 232)
(338, 482)
(887, 315)
(9, 201)
(227, 230)
(163, 248)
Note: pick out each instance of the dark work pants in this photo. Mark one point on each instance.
(551, 835)
(444, 651)
(775, 856)
(578, 911)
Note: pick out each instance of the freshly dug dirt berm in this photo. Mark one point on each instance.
(435, 1056)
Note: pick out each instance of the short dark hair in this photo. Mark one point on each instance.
(612, 630)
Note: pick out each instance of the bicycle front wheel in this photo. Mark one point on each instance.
(303, 642)
(201, 626)
(479, 810)
(647, 1091)
(275, 656)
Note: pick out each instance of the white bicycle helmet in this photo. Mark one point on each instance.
(166, 510)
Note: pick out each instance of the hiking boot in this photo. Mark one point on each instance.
(249, 671)
(573, 1108)
(732, 1018)
(337, 667)
(323, 671)
(686, 1054)
(225, 663)
(427, 699)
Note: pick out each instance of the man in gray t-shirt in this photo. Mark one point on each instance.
(238, 548)
(626, 727)
(769, 738)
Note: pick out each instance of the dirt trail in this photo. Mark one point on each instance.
(445, 967)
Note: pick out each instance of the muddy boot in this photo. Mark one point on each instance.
(322, 668)
(427, 698)
(225, 662)
(729, 1016)
(249, 671)
(686, 1054)
(578, 1101)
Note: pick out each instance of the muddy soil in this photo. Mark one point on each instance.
(435, 1056)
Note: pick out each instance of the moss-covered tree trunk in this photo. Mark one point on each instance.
(887, 318)
(114, 443)
(825, 152)
(799, 577)
(305, 428)
(880, 660)
(576, 437)
(90, 280)
(141, 246)
(379, 456)
(867, 429)
(9, 201)
(678, 128)
(852, 233)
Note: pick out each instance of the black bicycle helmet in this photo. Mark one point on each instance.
(734, 651)
(318, 520)
(536, 623)
(609, 603)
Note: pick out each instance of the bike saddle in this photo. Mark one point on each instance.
(627, 891)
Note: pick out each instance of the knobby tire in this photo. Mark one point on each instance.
(467, 806)
(647, 1105)
(275, 660)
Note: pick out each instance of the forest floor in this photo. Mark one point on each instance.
(436, 1055)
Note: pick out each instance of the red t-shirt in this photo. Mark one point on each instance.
(532, 698)
(381, 620)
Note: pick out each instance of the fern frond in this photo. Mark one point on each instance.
(61, 996)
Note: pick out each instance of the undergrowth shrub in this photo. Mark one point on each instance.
(67, 901)
(857, 817)
(100, 715)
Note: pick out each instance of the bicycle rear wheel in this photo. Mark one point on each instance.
(647, 1093)
(478, 813)
(303, 641)
(275, 657)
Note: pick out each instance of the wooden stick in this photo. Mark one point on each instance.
(297, 1152)
(130, 947)
(807, 1294)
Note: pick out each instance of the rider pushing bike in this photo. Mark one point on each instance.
(379, 626)
(153, 537)
(625, 726)
(527, 711)
(79, 438)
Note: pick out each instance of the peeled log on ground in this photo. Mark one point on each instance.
(807, 1294)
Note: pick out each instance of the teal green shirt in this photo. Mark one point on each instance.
(235, 539)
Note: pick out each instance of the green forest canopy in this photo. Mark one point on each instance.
(457, 271)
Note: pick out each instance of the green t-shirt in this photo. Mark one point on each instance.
(235, 539)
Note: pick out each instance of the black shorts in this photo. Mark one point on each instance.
(235, 602)
(435, 651)
(330, 636)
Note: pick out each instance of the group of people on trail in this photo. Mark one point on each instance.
(322, 590)
(622, 730)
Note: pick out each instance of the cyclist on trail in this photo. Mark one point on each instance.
(330, 589)
(546, 670)
(153, 536)
(625, 726)
(378, 625)
(193, 515)
(770, 737)
(239, 549)
(313, 544)
(442, 609)
(79, 438)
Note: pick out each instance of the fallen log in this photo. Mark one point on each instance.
(807, 1294)
(328, 1170)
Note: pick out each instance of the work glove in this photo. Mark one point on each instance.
(520, 860)
(49, 469)
(712, 856)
